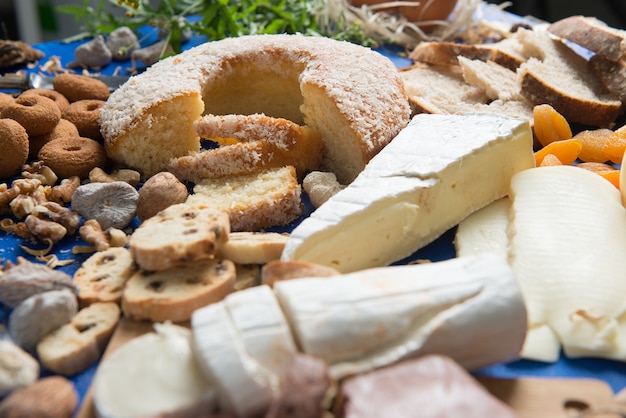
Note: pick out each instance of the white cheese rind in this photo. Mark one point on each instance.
(245, 346)
(438, 170)
(470, 309)
(568, 240)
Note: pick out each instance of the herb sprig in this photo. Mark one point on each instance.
(215, 19)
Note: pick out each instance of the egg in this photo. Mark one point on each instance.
(422, 11)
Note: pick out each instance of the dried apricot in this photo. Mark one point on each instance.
(613, 177)
(593, 143)
(615, 145)
(550, 159)
(566, 150)
(597, 167)
(549, 125)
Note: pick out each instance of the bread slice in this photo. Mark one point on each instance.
(179, 234)
(557, 75)
(174, 294)
(253, 247)
(506, 52)
(102, 276)
(255, 201)
(612, 74)
(496, 81)
(77, 345)
(592, 34)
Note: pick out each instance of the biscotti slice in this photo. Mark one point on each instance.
(179, 234)
(505, 52)
(80, 343)
(253, 247)
(592, 34)
(255, 201)
(102, 276)
(174, 294)
(557, 75)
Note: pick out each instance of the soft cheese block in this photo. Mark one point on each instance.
(245, 346)
(470, 309)
(437, 171)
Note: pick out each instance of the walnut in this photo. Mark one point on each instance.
(23, 205)
(38, 170)
(43, 230)
(25, 186)
(98, 175)
(63, 192)
(52, 211)
(6, 195)
(91, 232)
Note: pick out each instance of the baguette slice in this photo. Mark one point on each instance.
(612, 74)
(592, 34)
(173, 295)
(179, 234)
(79, 344)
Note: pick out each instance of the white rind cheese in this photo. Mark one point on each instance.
(485, 231)
(245, 347)
(470, 309)
(438, 170)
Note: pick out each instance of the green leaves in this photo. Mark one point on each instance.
(217, 19)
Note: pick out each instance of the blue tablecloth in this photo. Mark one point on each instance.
(612, 372)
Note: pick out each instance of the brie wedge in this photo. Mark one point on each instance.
(438, 170)
(568, 240)
(245, 347)
(470, 309)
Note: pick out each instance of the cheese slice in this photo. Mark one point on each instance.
(484, 231)
(245, 347)
(438, 170)
(470, 309)
(568, 241)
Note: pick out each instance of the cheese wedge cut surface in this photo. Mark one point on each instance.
(438, 170)
(568, 246)
(245, 347)
(470, 309)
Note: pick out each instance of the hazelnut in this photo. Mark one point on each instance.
(159, 192)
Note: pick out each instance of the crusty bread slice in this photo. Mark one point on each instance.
(439, 89)
(592, 34)
(102, 276)
(557, 75)
(443, 90)
(506, 52)
(173, 295)
(77, 345)
(497, 81)
(255, 201)
(612, 74)
(177, 235)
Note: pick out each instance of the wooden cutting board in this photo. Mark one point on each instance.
(530, 397)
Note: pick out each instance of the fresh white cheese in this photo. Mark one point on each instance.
(155, 374)
(568, 244)
(470, 309)
(438, 170)
(484, 231)
(245, 347)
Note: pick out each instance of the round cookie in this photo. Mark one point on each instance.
(5, 99)
(351, 95)
(14, 145)
(64, 129)
(37, 114)
(80, 87)
(85, 115)
(69, 157)
(55, 96)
